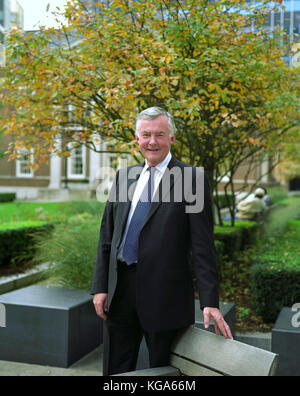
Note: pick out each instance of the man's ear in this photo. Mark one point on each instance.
(173, 138)
(137, 138)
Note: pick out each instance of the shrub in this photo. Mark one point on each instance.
(71, 250)
(275, 278)
(7, 197)
(249, 232)
(17, 240)
(220, 252)
(231, 237)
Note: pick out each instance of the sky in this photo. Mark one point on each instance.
(35, 12)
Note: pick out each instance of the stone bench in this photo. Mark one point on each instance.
(198, 352)
(48, 326)
(228, 312)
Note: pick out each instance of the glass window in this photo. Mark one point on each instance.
(76, 162)
(2, 12)
(26, 158)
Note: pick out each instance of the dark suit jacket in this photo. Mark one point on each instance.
(174, 246)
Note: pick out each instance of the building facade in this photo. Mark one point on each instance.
(11, 13)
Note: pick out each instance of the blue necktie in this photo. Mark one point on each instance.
(130, 249)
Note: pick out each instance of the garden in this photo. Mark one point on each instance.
(259, 265)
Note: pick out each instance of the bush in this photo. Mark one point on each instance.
(275, 278)
(220, 252)
(71, 250)
(249, 232)
(7, 197)
(17, 240)
(231, 237)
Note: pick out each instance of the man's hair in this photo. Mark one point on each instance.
(153, 112)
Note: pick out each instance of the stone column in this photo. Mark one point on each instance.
(94, 162)
(55, 170)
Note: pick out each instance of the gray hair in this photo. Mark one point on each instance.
(152, 113)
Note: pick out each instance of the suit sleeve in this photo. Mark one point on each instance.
(100, 279)
(204, 252)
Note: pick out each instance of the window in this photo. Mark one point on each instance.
(22, 164)
(2, 12)
(76, 162)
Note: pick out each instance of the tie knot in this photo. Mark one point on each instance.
(151, 169)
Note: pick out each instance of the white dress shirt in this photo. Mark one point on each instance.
(159, 171)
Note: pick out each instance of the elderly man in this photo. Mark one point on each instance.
(143, 283)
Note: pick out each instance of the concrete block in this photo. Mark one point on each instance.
(49, 326)
(286, 343)
(256, 339)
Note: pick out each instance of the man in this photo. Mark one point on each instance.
(253, 207)
(143, 279)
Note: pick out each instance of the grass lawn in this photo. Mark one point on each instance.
(48, 211)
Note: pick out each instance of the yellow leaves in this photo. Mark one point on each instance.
(254, 142)
(168, 60)
(174, 81)
(212, 87)
(133, 151)
(214, 125)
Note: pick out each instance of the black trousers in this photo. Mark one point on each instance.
(123, 332)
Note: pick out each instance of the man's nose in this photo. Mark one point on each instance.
(152, 139)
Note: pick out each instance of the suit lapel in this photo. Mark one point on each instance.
(124, 189)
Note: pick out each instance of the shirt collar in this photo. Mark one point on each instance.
(161, 167)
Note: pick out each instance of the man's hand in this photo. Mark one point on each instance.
(220, 324)
(100, 301)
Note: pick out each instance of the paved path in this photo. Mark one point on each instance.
(90, 365)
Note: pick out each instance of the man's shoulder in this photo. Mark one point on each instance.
(127, 169)
(195, 169)
(175, 162)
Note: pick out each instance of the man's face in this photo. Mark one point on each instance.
(154, 139)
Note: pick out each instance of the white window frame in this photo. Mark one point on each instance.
(19, 164)
(69, 163)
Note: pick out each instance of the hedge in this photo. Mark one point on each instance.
(220, 252)
(275, 278)
(7, 197)
(231, 237)
(17, 240)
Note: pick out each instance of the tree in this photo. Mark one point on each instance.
(212, 64)
(1, 134)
